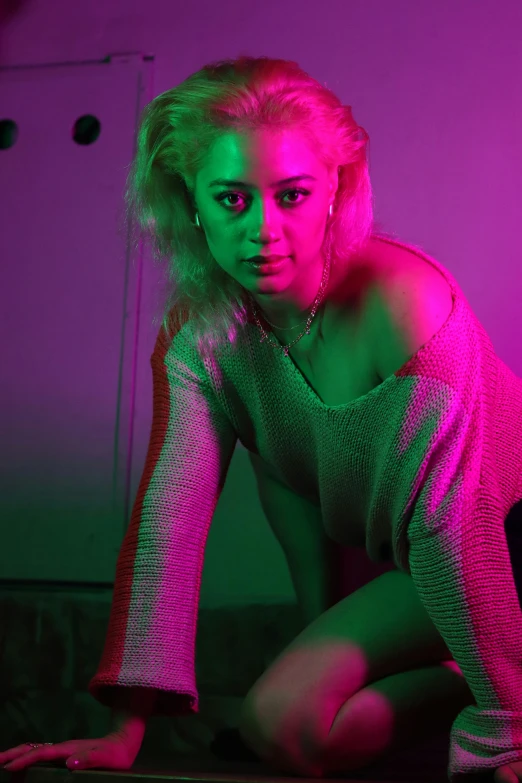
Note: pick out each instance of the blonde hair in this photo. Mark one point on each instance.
(175, 132)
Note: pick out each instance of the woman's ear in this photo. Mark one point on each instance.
(334, 183)
(188, 183)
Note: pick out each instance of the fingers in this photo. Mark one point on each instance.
(23, 755)
(78, 754)
(12, 753)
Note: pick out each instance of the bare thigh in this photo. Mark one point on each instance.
(379, 630)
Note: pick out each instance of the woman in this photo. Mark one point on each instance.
(375, 413)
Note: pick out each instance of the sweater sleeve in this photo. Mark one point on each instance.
(150, 642)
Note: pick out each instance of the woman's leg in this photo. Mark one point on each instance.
(394, 714)
(369, 637)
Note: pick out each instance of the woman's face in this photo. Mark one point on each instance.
(256, 213)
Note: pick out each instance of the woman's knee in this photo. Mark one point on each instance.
(287, 714)
(278, 743)
(317, 734)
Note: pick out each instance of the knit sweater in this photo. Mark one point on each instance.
(425, 469)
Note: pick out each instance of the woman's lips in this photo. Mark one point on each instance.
(267, 267)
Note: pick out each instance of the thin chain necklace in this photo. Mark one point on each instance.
(317, 301)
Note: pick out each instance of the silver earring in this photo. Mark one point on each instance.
(197, 220)
(330, 211)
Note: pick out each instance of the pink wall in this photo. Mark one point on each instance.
(437, 85)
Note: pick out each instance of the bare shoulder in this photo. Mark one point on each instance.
(410, 301)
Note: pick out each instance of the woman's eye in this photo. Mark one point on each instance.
(298, 191)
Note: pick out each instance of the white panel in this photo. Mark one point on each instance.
(69, 301)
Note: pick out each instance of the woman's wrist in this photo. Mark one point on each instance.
(133, 708)
(127, 724)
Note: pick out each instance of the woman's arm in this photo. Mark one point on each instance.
(313, 558)
(150, 639)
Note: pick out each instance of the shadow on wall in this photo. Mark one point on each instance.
(10, 9)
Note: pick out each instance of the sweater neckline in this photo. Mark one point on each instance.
(289, 362)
